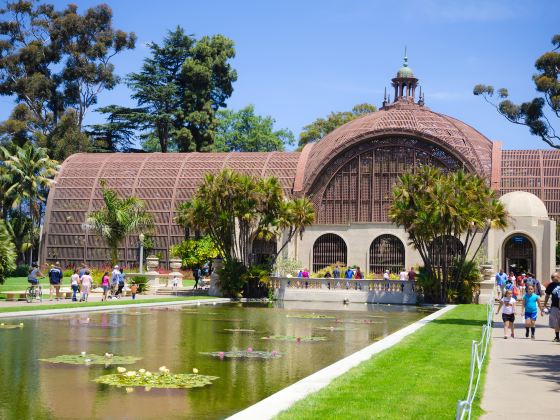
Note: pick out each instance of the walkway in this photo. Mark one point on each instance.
(523, 379)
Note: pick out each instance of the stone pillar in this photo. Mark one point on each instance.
(487, 283)
(152, 262)
(175, 264)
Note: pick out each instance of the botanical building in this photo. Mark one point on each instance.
(348, 175)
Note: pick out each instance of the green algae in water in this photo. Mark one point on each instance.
(91, 359)
(243, 354)
(143, 378)
(311, 316)
(293, 338)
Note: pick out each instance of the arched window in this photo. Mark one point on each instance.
(518, 254)
(386, 252)
(328, 249)
(454, 249)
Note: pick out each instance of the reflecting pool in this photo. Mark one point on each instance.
(175, 336)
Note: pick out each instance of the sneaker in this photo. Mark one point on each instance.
(556, 340)
(526, 334)
(532, 336)
(512, 336)
(505, 337)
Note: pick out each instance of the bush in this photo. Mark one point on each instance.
(469, 284)
(329, 269)
(285, 266)
(256, 280)
(232, 278)
(142, 282)
(22, 270)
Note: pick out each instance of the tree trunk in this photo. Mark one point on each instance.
(114, 255)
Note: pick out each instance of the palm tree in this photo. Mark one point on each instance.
(20, 228)
(7, 252)
(30, 173)
(295, 216)
(119, 217)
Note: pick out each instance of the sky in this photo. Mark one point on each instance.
(300, 60)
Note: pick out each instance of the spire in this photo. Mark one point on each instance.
(405, 61)
(385, 98)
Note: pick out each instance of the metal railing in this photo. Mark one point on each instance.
(479, 349)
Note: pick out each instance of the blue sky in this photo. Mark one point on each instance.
(299, 60)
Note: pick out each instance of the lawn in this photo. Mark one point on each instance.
(121, 302)
(422, 377)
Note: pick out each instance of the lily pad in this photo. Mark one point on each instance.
(92, 359)
(244, 354)
(337, 328)
(156, 380)
(10, 326)
(224, 319)
(311, 316)
(358, 321)
(239, 330)
(100, 339)
(306, 339)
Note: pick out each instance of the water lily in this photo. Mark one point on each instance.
(88, 360)
(142, 371)
(83, 353)
(121, 369)
(147, 388)
(221, 354)
(129, 390)
(131, 373)
(195, 370)
(274, 352)
(148, 373)
(108, 355)
(298, 339)
(250, 349)
(21, 324)
(162, 369)
(2, 323)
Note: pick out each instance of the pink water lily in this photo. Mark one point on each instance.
(250, 349)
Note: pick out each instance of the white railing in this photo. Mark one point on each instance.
(479, 350)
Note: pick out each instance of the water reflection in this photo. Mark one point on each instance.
(175, 338)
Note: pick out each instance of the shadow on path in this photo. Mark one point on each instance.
(546, 367)
(457, 321)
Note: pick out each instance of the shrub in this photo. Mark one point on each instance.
(285, 266)
(231, 278)
(329, 269)
(142, 282)
(22, 270)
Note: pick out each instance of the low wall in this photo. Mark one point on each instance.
(337, 290)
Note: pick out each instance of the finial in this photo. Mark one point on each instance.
(405, 64)
(385, 95)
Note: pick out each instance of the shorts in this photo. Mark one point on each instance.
(531, 315)
(508, 317)
(554, 318)
(105, 289)
(33, 282)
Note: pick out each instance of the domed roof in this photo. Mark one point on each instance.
(524, 204)
(398, 119)
(405, 71)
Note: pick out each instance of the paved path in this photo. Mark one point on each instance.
(523, 379)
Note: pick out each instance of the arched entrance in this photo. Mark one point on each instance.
(519, 254)
(386, 252)
(328, 249)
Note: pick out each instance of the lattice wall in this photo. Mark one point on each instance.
(161, 180)
(534, 171)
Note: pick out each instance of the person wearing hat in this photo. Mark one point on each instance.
(115, 279)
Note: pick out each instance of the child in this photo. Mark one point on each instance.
(105, 285)
(133, 290)
(508, 314)
(530, 302)
(86, 285)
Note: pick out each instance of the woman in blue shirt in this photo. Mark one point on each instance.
(530, 303)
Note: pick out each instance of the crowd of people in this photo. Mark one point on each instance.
(357, 274)
(81, 282)
(528, 291)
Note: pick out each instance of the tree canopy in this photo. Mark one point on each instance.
(536, 112)
(244, 131)
(439, 210)
(323, 126)
(55, 63)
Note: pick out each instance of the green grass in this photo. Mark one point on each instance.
(26, 307)
(422, 377)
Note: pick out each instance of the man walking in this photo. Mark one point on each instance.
(501, 279)
(196, 275)
(553, 292)
(55, 279)
(115, 279)
(532, 281)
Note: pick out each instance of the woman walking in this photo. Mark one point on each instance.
(86, 286)
(530, 302)
(75, 284)
(105, 285)
(508, 313)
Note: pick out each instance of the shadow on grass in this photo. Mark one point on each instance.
(458, 321)
(545, 367)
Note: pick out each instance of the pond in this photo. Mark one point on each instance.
(175, 336)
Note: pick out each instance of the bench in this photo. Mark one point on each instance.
(12, 295)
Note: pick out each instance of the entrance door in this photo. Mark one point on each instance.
(518, 255)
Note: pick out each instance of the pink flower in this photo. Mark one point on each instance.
(298, 339)
(250, 349)
(221, 354)
(274, 353)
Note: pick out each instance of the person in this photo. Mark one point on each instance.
(133, 290)
(120, 285)
(336, 272)
(349, 273)
(55, 279)
(403, 275)
(175, 283)
(34, 276)
(83, 268)
(386, 275)
(300, 273)
(511, 287)
(501, 279)
(115, 278)
(359, 275)
(508, 313)
(86, 285)
(529, 310)
(305, 273)
(552, 292)
(328, 275)
(412, 274)
(75, 284)
(196, 276)
(105, 284)
(532, 281)
(520, 280)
